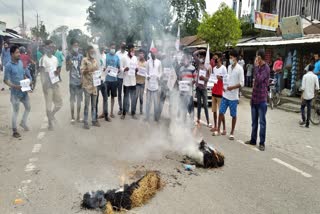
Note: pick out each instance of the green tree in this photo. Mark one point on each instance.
(221, 29)
(80, 36)
(40, 32)
(56, 35)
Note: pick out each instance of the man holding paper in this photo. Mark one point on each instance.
(141, 78)
(49, 73)
(130, 67)
(154, 71)
(90, 79)
(14, 77)
(111, 81)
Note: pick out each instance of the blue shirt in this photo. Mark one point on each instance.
(5, 56)
(15, 72)
(317, 68)
(114, 61)
(74, 72)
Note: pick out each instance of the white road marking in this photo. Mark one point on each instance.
(30, 167)
(292, 167)
(36, 148)
(33, 159)
(26, 182)
(309, 147)
(251, 147)
(43, 126)
(41, 135)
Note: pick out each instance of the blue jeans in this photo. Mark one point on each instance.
(87, 99)
(15, 100)
(279, 76)
(152, 97)
(249, 81)
(139, 95)
(304, 104)
(120, 83)
(258, 114)
(129, 99)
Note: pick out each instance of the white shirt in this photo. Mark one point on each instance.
(222, 71)
(235, 76)
(121, 56)
(154, 71)
(48, 63)
(130, 63)
(310, 83)
(242, 63)
(103, 60)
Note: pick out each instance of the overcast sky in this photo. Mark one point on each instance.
(59, 12)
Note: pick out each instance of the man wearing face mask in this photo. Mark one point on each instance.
(203, 75)
(122, 53)
(14, 73)
(89, 65)
(111, 81)
(49, 70)
(232, 83)
(5, 58)
(259, 100)
(73, 64)
(130, 67)
(154, 71)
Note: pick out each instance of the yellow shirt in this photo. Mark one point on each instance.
(141, 79)
(88, 67)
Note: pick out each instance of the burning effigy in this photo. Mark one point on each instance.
(127, 197)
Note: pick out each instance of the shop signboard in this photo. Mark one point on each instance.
(291, 27)
(266, 21)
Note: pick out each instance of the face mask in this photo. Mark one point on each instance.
(75, 50)
(113, 51)
(231, 61)
(92, 56)
(201, 61)
(48, 51)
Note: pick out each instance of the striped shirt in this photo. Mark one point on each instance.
(261, 83)
(187, 74)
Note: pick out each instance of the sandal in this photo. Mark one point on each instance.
(216, 133)
(231, 137)
(224, 133)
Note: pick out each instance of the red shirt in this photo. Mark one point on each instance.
(26, 60)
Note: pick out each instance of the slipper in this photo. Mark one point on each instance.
(231, 137)
(224, 133)
(213, 129)
(216, 133)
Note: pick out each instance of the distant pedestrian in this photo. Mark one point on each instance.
(122, 53)
(317, 65)
(14, 73)
(89, 66)
(241, 61)
(310, 86)
(219, 72)
(230, 99)
(49, 71)
(5, 58)
(259, 101)
(141, 79)
(111, 81)
(249, 74)
(73, 65)
(154, 72)
(130, 67)
(277, 69)
(26, 61)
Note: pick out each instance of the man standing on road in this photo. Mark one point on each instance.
(219, 72)
(5, 58)
(122, 53)
(130, 63)
(203, 75)
(89, 66)
(277, 68)
(14, 73)
(111, 81)
(141, 79)
(49, 71)
(317, 66)
(310, 86)
(259, 101)
(73, 64)
(154, 71)
(230, 99)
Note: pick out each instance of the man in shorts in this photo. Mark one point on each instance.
(230, 98)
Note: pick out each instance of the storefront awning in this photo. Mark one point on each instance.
(274, 41)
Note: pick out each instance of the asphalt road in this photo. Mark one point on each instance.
(50, 171)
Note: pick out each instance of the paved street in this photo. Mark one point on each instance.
(50, 171)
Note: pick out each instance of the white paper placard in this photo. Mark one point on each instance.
(202, 73)
(213, 79)
(112, 71)
(184, 86)
(53, 78)
(142, 71)
(96, 78)
(25, 85)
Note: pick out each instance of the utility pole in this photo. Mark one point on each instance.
(23, 27)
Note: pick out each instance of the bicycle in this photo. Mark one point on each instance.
(315, 111)
(274, 96)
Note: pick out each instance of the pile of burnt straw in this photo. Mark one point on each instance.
(126, 198)
(206, 157)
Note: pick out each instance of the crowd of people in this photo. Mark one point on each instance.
(127, 74)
